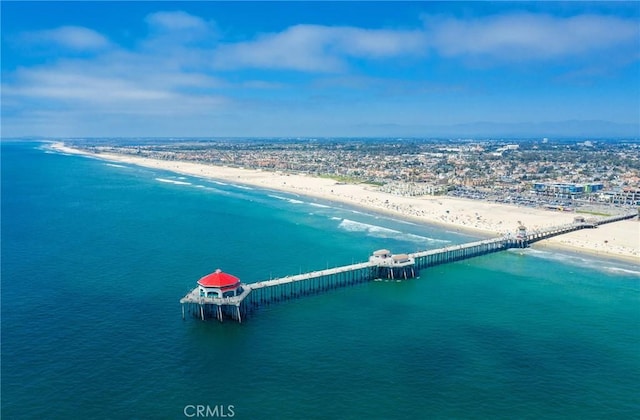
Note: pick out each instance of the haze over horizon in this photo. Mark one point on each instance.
(269, 69)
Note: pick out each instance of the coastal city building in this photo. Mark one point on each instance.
(566, 190)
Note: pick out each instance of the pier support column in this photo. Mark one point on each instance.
(202, 312)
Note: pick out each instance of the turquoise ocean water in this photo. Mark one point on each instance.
(95, 257)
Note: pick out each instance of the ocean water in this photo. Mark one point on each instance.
(95, 257)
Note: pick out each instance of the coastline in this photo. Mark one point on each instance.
(615, 240)
(619, 240)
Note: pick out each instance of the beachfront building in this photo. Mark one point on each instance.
(625, 196)
(412, 189)
(566, 190)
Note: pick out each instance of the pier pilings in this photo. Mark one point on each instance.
(290, 287)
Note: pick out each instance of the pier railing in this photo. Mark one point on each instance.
(448, 254)
(289, 287)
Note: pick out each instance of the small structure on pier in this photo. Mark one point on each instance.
(521, 236)
(580, 220)
(393, 266)
(217, 292)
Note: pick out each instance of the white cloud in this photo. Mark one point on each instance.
(161, 80)
(90, 88)
(379, 43)
(170, 31)
(75, 85)
(170, 76)
(300, 48)
(176, 21)
(529, 36)
(318, 48)
(75, 38)
(501, 38)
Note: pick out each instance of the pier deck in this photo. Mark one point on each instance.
(194, 297)
(222, 305)
(311, 275)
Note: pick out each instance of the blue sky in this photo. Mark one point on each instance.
(178, 69)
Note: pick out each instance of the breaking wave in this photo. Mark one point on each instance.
(577, 260)
(383, 232)
(622, 270)
(290, 200)
(172, 181)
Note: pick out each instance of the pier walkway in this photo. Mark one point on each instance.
(260, 293)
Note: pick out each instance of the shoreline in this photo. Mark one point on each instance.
(607, 241)
(460, 215)
(585, 252)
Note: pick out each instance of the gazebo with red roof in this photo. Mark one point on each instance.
(219, 285)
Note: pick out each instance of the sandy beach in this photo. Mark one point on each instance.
(614, 240)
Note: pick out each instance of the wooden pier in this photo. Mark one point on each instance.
(265, 292)
(382, 264)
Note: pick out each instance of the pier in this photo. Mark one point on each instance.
(220, 295)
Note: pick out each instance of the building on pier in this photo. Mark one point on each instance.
(521, 236)
(580, 220)
(219, 285)
(380, 256)
(218, 294)
(392, 266)
(521, 232)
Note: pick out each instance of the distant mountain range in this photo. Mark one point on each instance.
(580, 129)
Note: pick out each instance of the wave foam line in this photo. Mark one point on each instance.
(383, 232)
(577, 261)
(622, 270)
(290, 200)
(172, 181)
